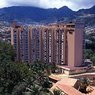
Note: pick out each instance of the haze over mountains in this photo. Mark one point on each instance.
(40, 15)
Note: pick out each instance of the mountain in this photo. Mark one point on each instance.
(86, 11)
(40, 15)
(87, 16)
(34, 13)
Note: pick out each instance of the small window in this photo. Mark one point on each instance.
(71, 32)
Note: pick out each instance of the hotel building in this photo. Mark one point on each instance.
(60, 44)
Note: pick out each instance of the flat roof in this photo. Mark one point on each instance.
(69, 90)
(66, 86)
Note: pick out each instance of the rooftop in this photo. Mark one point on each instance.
(66, 85)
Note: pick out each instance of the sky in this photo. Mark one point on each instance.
(73, 4)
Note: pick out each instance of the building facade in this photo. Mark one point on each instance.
(60, 44)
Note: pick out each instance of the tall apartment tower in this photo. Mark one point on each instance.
(75, 44)
(19, 39)
(63, 44)
(60, 44)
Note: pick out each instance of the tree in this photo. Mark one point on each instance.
(56, 92)
(6, 52)
(11, 74)
(93, 58)
(84, 83)
(20, 78)
(88, 53)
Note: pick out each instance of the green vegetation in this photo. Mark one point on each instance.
(20, 78)
(6, 52)
(83, 84)
(90, 47)
(57, 92)
(90, 54)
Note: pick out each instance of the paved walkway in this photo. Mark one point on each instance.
(92, 73)
(60, 76)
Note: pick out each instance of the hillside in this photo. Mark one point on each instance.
(40, 15)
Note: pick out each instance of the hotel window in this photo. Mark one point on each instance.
(62, 44)
(62, 36)
(62, 56)
(49, 59)
(57, 35)
(45, 58)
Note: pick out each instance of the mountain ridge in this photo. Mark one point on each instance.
(35, 14)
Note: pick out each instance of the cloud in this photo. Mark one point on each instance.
(73, 4)
(3, 3)
(79, 4)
